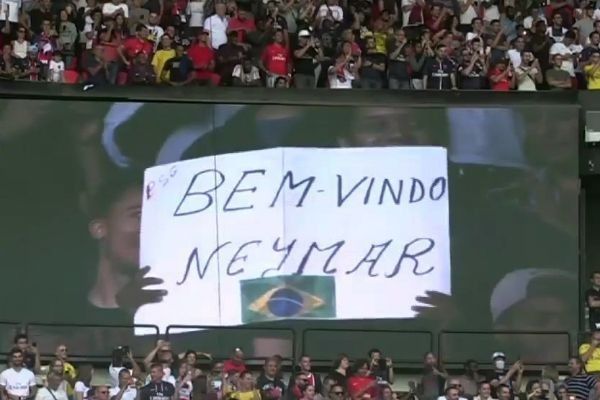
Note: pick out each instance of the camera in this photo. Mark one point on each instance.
(118, 354)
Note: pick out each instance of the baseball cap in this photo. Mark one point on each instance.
(498, 354)
(304, 33)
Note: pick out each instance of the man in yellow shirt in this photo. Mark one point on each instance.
(590, 354)
(246, 389)
(592, 71)
(164, 54)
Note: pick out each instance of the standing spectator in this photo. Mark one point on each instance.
(269, 384)
(216, 26)
(504, 393)
(592, 299)
(471, 378)
(570, 52)
(433, 379)
(165, 53)
(585, 24)
(307, 55)
(340, 371)
(17, 381)
(484, 391)
(242, 24)
(472, 75)
(372, 74)
(126, 390)
(229, 55)
(235, 363)
(195, 15)
(53, 390)
(84, 381)
(155, 31)
(67, 37)
(305, 366)
(557, 31)
(245, 390)
(96, 67)
(381, 368)
(592, 74)
(540, 45)
(38, 15)
(62, 354)
(183, 385)
(362, 382)
(497, 42)
(593, 45)
(115, 7)
(455, 383)
(512, 377)
(515, 55)
(528, 73)
(398, 64)
(556, 77)
(332, 10)
(589, 352)
(30, 68)
(203, 59)
(246, 74)
(451, 393)
(179, 70)
(56, 68)
(502, 78)
(135, 45)
(275, 60)
(439, 71)
(579, 383)
(157, 389)
(31, 355)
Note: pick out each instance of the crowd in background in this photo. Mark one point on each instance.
(397, 44)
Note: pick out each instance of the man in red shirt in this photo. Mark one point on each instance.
(275, 60)
(236, 363)
(242, 23)
(203, 58)
(362, 382)
(136, 45)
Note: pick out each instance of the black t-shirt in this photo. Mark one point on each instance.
(157, 391)
(306, 64)
(398, 66)
(338, 378)
(594, 312)
(498, 375)
(370, 72)
(268, 387)
(475, 80)
(438, 73)
(179, 68)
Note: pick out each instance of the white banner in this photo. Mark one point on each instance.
(347, 233)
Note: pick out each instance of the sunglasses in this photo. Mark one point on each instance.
(338, 393)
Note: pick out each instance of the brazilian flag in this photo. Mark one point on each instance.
(281, 297)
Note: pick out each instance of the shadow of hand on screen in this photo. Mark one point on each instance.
(438, 307)
(134, 294)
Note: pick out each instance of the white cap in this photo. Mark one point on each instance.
(498, 354)
(303, 33)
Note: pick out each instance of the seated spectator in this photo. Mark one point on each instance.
(512, 378)
(20, 45)
(556, 77)
(533, 391)
(155, 31)
(308, 393)
(157, 388)
(133, 46)
(141, 71)
(362, 382)
(336, 392)
(275, 61)
(298, 381)
(7, 63)
(381, 368)
(162, 55)
(579, 384)
(269, 384)
(30, 68)
(31, 355)
(246, 74)
(53, 389)
(590, 352)
(17, 381)
(235, 363)
(504, 392)
(451, 393)
(203, 59)
(246, 390)
(126, 390)
(484, 392)
(454, 383)
(471, 379)
(179, 71)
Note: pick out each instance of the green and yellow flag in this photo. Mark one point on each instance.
(281, 297)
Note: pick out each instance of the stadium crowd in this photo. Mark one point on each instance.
(397, 44)
(165, 375)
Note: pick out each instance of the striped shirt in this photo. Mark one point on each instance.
(580, 386)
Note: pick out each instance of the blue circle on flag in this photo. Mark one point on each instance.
(285, 302)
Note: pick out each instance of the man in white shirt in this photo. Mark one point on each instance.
(115, 7)
(569, 51)
(17, 383)
(53, 390)
(217, 25)
(126, 389)
(155, 30)
(454, 390)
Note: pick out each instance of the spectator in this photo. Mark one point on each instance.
(155, 31)
(157, 388)
(242, 24)
(570, 52)
(115, 7)
(451, 393)
(229, 55)
(161, 354)
(381, 368)
(455, 384)
(20, 45)
(529, 73)
(484, 391)
(512, 378)
(502, 79)
(533, 390)
(516, 53)
(246, 390)
(557, 31)
(579, 383)
(439, 71)
(135, 45)
(472, 75)
(17, 381)
(331, 10)
(308, 393)
(336, 392)
(298, 382)
(504, 392)
(275, 60)
(96, 67)
(31, 355)
(540, 45)
(179, 71)
(471, 379)
(203, 59)
(30, 68)
(56, 68)
(62, 354)
(126, 390)
(589, 352)
(373, 66)
(562, 393)
(141, 71)
(53, 390)
(556, 77)
(58, 367)
(398, 61)
(270, 386)
(195, 15)
(585, 24)
(183, 385)
(84, 381)
(216, 26)
(592, 298)
(307, 57)
(246, 75)
(235, 363)
(433, 379)
(361, 382)
(592, 71)
(164, 53)
(340, 370)
(305, 366)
